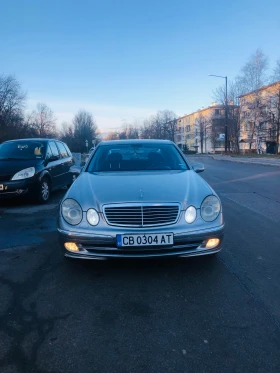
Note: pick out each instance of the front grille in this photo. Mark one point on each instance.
(5, 177)
(143, 215)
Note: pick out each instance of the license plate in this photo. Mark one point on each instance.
(1, 187)
(160, 239)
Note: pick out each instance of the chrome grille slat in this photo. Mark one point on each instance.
(141, 215)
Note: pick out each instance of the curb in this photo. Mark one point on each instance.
(245, 162)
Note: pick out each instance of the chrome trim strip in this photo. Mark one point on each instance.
(189, 234)
(196, 252)
(79, 234)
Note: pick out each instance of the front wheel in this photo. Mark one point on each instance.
(44, 191)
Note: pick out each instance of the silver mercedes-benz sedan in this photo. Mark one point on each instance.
(139, 199)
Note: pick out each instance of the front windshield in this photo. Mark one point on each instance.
(22, 150)
(136, 157)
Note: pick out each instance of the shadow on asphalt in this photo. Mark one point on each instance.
(25, 201)
(135, 267)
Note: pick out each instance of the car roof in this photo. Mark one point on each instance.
(32, 139)
(137, 141)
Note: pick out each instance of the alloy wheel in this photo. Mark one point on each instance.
(45, 190)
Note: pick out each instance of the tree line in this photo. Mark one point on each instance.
(162, 125)
(16, 123)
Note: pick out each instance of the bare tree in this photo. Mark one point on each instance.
(203, 127)
(254, 72)
(42, 120)
(235, 89)
(272, 115)
(169, 124)
(234, 128)
(67, 134)
(12, 101)
(112, 136)
(85, 128)
(163, 125)
(213, 135)
(252, 120)
(276, 72)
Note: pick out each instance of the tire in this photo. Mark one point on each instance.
(44, 190)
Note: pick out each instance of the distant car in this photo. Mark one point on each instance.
(138, 207)
(34, 167)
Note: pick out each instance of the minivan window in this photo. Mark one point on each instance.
(62, 149)
(68, 150)
(49, 152)
(22, 150)
(54, 148)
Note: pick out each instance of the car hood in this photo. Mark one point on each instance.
(11, 167)
(96, 190)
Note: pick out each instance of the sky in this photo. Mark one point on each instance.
(124, 60)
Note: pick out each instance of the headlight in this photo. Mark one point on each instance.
(71, 211)
(24, 174)
(92, 217)
(190, 214)
(210, 208)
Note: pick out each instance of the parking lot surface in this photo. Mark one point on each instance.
(182, 315)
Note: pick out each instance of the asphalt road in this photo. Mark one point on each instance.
(184, 315)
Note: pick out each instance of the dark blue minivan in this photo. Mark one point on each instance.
(34, 167)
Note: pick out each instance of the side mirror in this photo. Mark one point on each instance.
(75, 170)
(198, 167)
(53, 158)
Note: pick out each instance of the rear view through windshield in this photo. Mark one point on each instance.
(140, 157)
(22, 150)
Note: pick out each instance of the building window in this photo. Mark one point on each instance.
(217, 111)
(188, 128)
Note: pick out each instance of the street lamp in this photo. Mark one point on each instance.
(226, 112)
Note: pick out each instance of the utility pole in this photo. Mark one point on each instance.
(226, 123)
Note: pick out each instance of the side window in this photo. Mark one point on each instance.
(48, 152)
(68, 150)
(62, 150)
(54, 148)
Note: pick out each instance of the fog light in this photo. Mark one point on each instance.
(71, 246)
(212, 242)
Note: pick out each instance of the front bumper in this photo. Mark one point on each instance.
(16, 188)
(100, 247)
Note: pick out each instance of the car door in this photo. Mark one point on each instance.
(54, 164)
(66, 163)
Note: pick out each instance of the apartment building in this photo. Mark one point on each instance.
(204, 130)
(259, 120)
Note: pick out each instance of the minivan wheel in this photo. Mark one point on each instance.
(44, 191)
